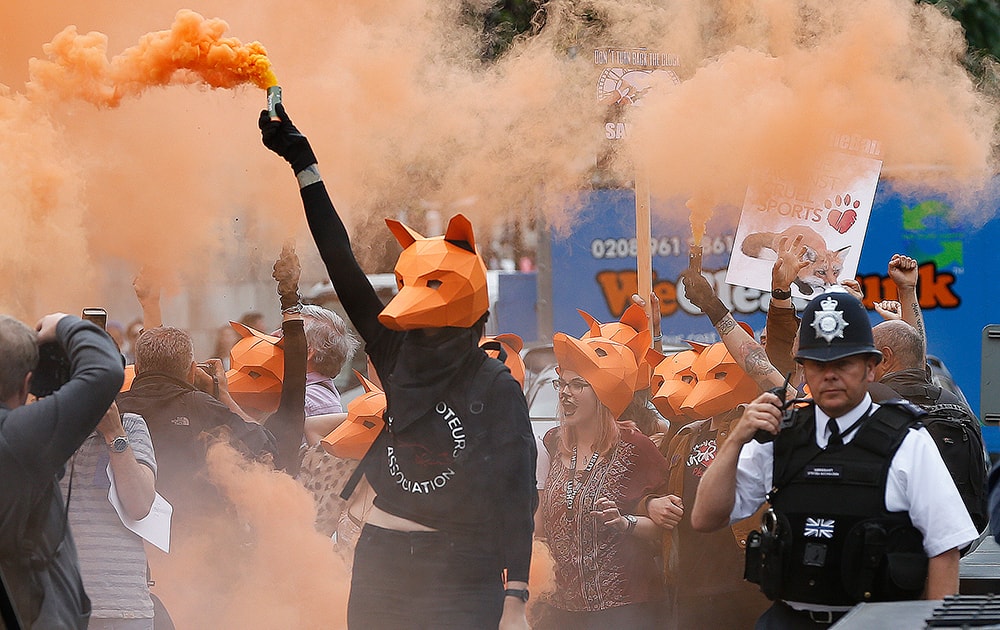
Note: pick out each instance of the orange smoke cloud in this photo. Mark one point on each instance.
(403, 115)
(193, 50)
(786, 79)
(266, 568)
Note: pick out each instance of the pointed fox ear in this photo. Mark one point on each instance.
(368, 385)
(242, 329)
(635, 317)
(460, 229)
(405, 235)
(842, 253)
(593, 325)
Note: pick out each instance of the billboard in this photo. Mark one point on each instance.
(593, 269)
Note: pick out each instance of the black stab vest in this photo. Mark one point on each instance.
(838, 536)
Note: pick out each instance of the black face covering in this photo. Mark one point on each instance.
(427, 369)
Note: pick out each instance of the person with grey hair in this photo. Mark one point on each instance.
(330, 345)
(38, 556)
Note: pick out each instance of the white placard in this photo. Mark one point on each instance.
(831, 212)
(154, 527)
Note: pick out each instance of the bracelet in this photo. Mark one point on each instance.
(657, 337)
(294, 309)
(632, 521)
(781, 294)
(308, 176)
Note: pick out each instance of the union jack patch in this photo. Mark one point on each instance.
(819, 527)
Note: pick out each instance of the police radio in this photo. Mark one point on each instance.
(787, 410)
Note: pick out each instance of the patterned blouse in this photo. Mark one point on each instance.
(598, 567)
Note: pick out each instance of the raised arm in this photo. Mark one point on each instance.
(47, 432)
(782, 322)
(904, 273)
(349, 280)
(147, 291)
(286, 424)
(744, 348)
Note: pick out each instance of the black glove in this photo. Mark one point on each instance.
(699, 291)
(283, 138)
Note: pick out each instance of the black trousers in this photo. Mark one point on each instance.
(781, 616)
(423, 580)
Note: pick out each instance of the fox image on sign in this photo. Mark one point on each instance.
(825, 265)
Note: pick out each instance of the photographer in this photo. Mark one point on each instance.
(37, 553)
(862, 507)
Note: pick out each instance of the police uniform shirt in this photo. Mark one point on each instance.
(918, 483)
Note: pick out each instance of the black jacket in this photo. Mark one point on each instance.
(37, 553)
(178, 414)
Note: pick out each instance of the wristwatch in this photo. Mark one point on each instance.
(520, 593)
(119, 444)
(632, 522)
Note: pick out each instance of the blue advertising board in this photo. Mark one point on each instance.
(593, 269)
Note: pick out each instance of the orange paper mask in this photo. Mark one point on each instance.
(511, 345)
(672, 381)
(442, 280)
(257, 365)
(631, 330)
(722, 384)
(355, 435)
(608, 366)
(129, 377)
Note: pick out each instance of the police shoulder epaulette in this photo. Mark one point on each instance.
(905, 405)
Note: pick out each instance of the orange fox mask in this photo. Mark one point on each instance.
(511, 345)
(672, 381)
(364, 422)
(631, 330)
(722, 384)
(442, 279)
(257, 365)
(609, 367)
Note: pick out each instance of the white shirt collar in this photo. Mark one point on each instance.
(844, 422)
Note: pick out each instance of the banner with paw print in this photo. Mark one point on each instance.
(820, 220)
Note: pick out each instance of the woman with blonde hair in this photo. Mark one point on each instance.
(605, 570)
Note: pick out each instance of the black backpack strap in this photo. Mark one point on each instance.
(355, 478)
(886, 429)
(482, 384)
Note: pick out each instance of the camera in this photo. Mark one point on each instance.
(54, 368)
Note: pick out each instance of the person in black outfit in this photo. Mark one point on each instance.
(37, 553)
(454, 469)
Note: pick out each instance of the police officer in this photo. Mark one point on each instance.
(842, 527)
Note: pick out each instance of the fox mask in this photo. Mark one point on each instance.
(608, 366)
(257, 365)
(354, 436)
(441, 280)
(631, 330)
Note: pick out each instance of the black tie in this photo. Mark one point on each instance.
(834, 440)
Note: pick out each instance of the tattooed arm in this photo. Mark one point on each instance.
(903, 271)
(749, 354)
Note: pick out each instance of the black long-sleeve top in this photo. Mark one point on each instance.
(451, 469)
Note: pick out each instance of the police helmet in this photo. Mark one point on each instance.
(835, 325)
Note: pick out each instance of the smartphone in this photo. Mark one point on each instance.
(97, 315)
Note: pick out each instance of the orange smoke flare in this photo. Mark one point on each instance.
(192, 51)
(701, 211)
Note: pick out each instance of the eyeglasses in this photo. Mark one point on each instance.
(576, 386)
